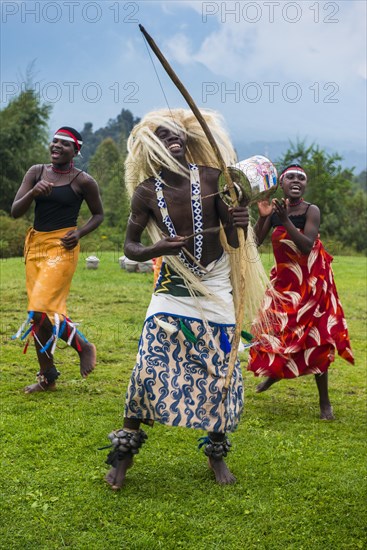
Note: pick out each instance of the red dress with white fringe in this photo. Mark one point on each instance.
(308, 322)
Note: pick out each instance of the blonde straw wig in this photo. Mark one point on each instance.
(147, 154)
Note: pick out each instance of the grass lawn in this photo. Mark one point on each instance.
(301, 481)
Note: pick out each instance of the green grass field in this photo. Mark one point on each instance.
(301, 481)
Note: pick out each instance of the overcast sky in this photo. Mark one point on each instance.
(276, 70)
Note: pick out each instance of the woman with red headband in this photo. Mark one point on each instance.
(308, 319)
(51, 252)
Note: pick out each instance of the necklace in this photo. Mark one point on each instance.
(295, 203)
(62, 171)
(197, 214)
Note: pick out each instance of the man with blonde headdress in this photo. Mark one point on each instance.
(172, 175)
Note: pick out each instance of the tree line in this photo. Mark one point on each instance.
(340, 194)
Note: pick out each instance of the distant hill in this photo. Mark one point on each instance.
(119, 128)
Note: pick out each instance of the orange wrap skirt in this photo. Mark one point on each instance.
(49, 271)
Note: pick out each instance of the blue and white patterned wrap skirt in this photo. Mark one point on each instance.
(179, 382)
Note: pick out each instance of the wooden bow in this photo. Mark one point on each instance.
(232, 193)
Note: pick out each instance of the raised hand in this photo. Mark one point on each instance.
(280, 207)
(265, 208)
(42, 187)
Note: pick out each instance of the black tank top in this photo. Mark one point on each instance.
(57, 210)
(298, 221)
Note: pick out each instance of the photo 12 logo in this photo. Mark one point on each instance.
(90, 92)
(69, 11)
(253, 92)
(270, 12)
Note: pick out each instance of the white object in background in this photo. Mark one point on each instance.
(130, 265)
(92, 262)
(122, 261)
(146, 267)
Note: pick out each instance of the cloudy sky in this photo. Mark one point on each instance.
(276, 70)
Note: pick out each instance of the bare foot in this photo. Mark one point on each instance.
(263, 386)
(116, 476)
(40, 386)
(326, 412)
(223, 476)
(87, 357)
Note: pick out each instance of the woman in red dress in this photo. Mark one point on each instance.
(308, 322)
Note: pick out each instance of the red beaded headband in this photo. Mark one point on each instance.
(292, 170)
(71, 137)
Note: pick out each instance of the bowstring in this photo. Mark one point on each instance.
(159, 80)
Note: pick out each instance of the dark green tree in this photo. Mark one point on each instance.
(354, 231)
(23, 141)
(331, 187)
(360, 181)
(107, 167)
(117, 128)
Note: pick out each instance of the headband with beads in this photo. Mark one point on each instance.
(292, 170)
(69, 137)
